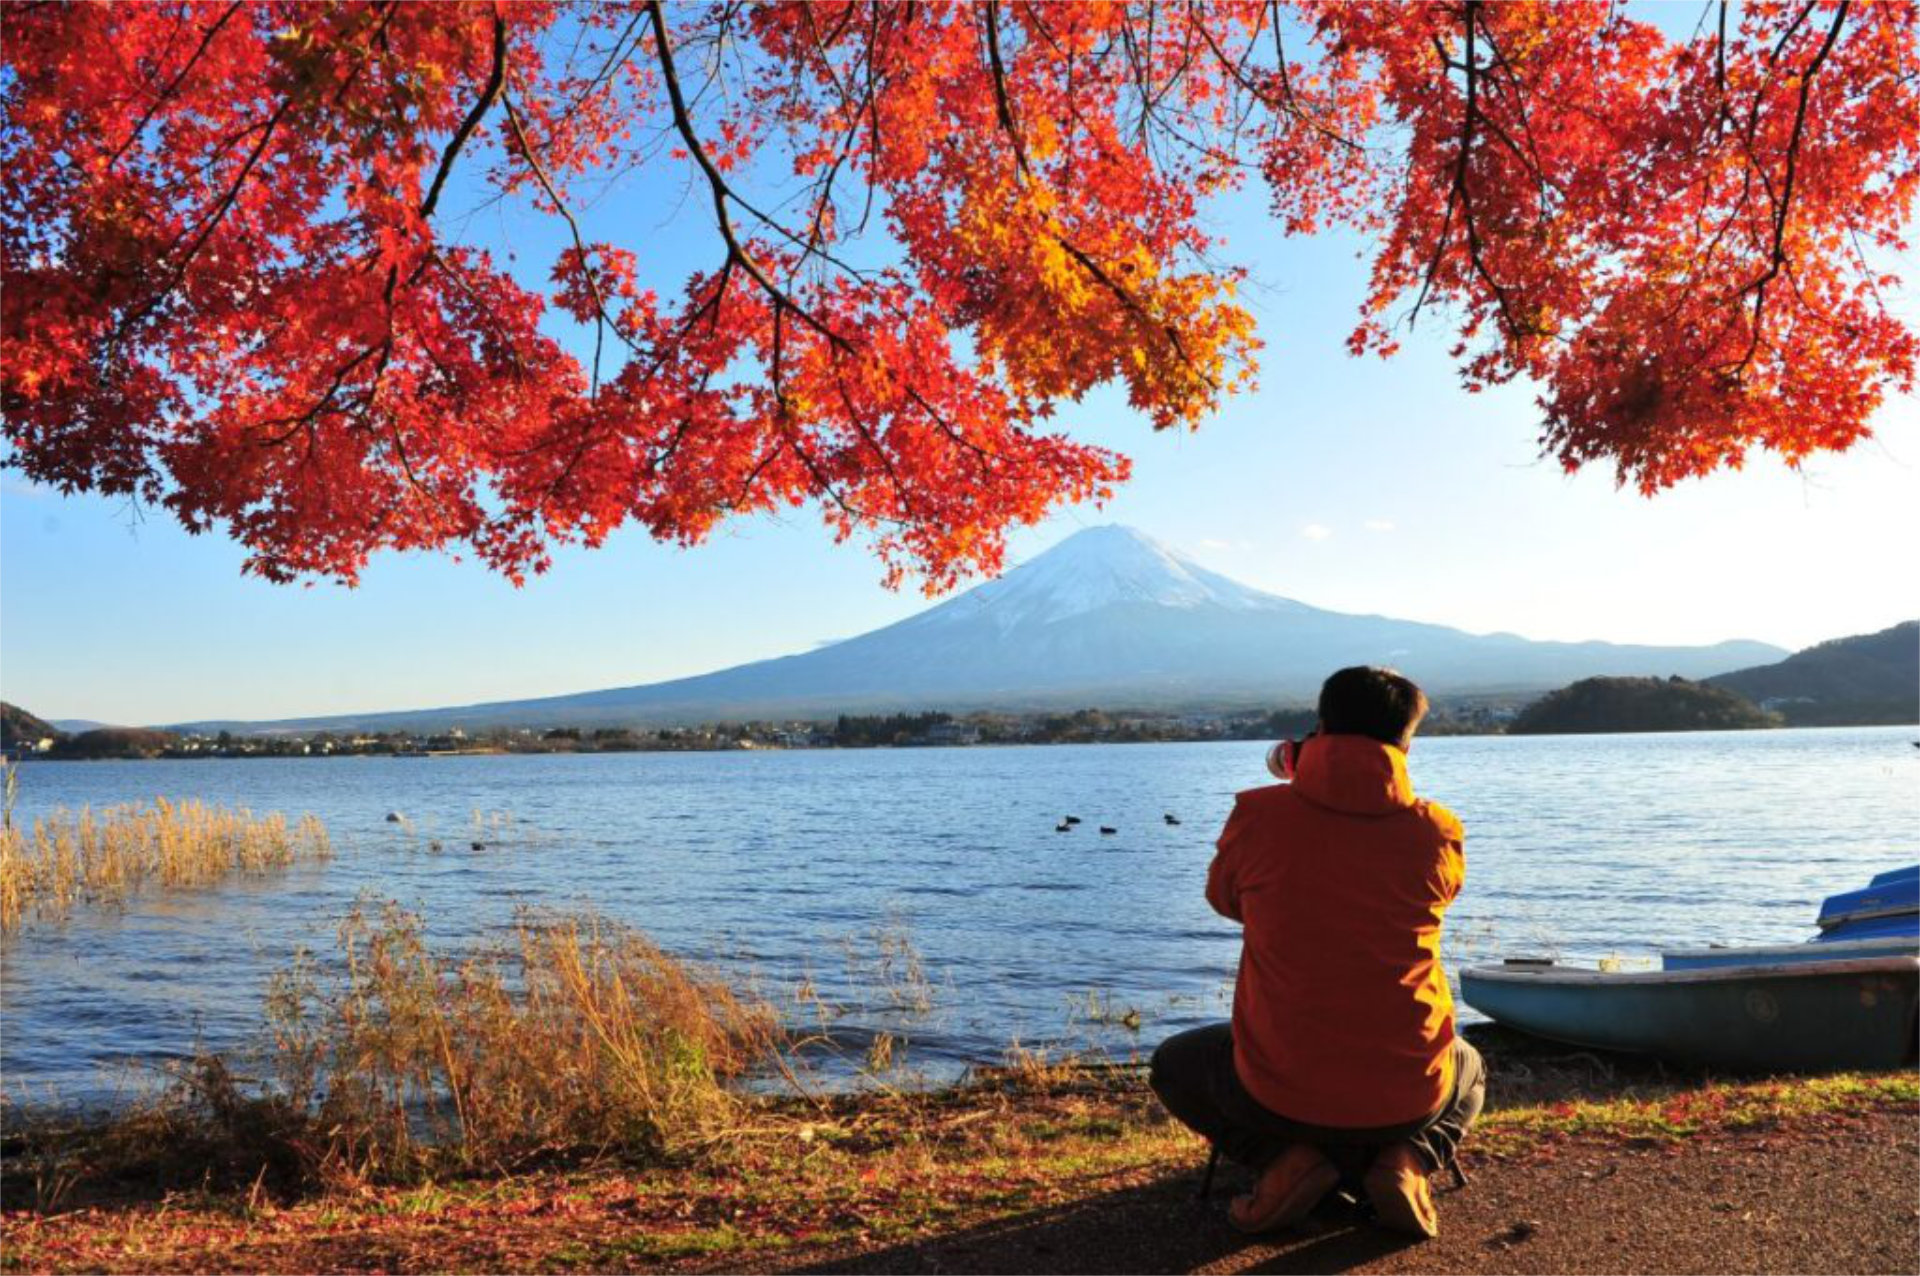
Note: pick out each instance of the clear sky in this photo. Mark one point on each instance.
(1356, 485)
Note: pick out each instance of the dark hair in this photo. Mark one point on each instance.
(1377, 703)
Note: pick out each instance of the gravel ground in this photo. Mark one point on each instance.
(1837, 1195)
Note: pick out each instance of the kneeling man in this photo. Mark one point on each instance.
(1341, 1059)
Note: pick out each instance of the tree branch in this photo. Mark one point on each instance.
(1784, 205)
(173, 85)
(496, 76)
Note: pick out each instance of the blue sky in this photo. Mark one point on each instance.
(1357, 485)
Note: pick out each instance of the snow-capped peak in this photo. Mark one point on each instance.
(1102, 567)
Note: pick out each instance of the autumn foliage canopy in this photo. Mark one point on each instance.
(240, 277)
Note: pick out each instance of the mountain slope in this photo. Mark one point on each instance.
(1107, 617)
(74, 726)
(1864, 680)
(18, 727)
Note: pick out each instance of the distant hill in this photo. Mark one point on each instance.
(1107, 617)
(1596, 705)
(1867, 680)
(18, 727)
(116, 742)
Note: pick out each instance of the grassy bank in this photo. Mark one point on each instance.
(805, 1183)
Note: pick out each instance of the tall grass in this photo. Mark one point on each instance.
(568, 1039)
(103, 859)
(572, 1035)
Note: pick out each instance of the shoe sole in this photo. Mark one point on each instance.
(1395, 1209)
(1296, 1204)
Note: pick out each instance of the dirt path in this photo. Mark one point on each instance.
(1841, 1195)
(1584, 1169)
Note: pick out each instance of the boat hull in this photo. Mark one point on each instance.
(1816, 1016)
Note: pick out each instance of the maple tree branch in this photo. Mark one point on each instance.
(366, 403)
(1001, 101)
(1446, 220)
(790, 438)
(1286, 103)
(718, 187)
(1720, 63)
(615, 60)
(1786, 36)
(1783, 206)
(854, 113)
(737, 255)
(1516, 90)
(1157, 122)
(601, 319)
(166, 94)
(305, 420)
(947, 427)
(265, 127)
(867, 435)
(212, 222)
(496, 76)
(1460, 192)
(1084, 260)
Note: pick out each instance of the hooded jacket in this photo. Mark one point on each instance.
(1341, 1014)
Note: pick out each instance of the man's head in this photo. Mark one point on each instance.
(1377, 703)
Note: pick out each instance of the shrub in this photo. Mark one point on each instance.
(573, 1035)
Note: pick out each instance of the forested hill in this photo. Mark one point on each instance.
(1639, 704)
(17, 726)
(1865, 680)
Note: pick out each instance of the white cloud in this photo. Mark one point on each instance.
(1208, 542)
(1378, 524)
(1316, 531)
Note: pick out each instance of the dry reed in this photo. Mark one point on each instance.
(573, 1036)
(102, 860)
(894, 969)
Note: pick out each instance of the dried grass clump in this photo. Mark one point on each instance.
(571, 1039)
(102, 860)
(574, 1035)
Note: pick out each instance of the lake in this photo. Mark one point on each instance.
(788, 866)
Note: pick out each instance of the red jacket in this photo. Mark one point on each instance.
(1341, 1014)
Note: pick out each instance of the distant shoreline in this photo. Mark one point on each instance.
(284, 749)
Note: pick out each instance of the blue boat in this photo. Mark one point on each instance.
(1819, 1016)
(1784, 954)
(1850, 998)
(1882, 919)
(1888, 905)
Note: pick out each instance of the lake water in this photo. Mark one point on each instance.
(783, 866)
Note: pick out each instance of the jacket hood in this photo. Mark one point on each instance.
(1353, 774)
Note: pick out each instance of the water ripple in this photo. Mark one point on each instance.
(780, 867)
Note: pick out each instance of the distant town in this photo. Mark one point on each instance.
(909, 730)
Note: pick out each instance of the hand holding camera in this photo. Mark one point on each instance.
(1283, 759)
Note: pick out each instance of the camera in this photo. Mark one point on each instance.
(1283, 759)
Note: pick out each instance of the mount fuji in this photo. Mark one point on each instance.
(1109, 618)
